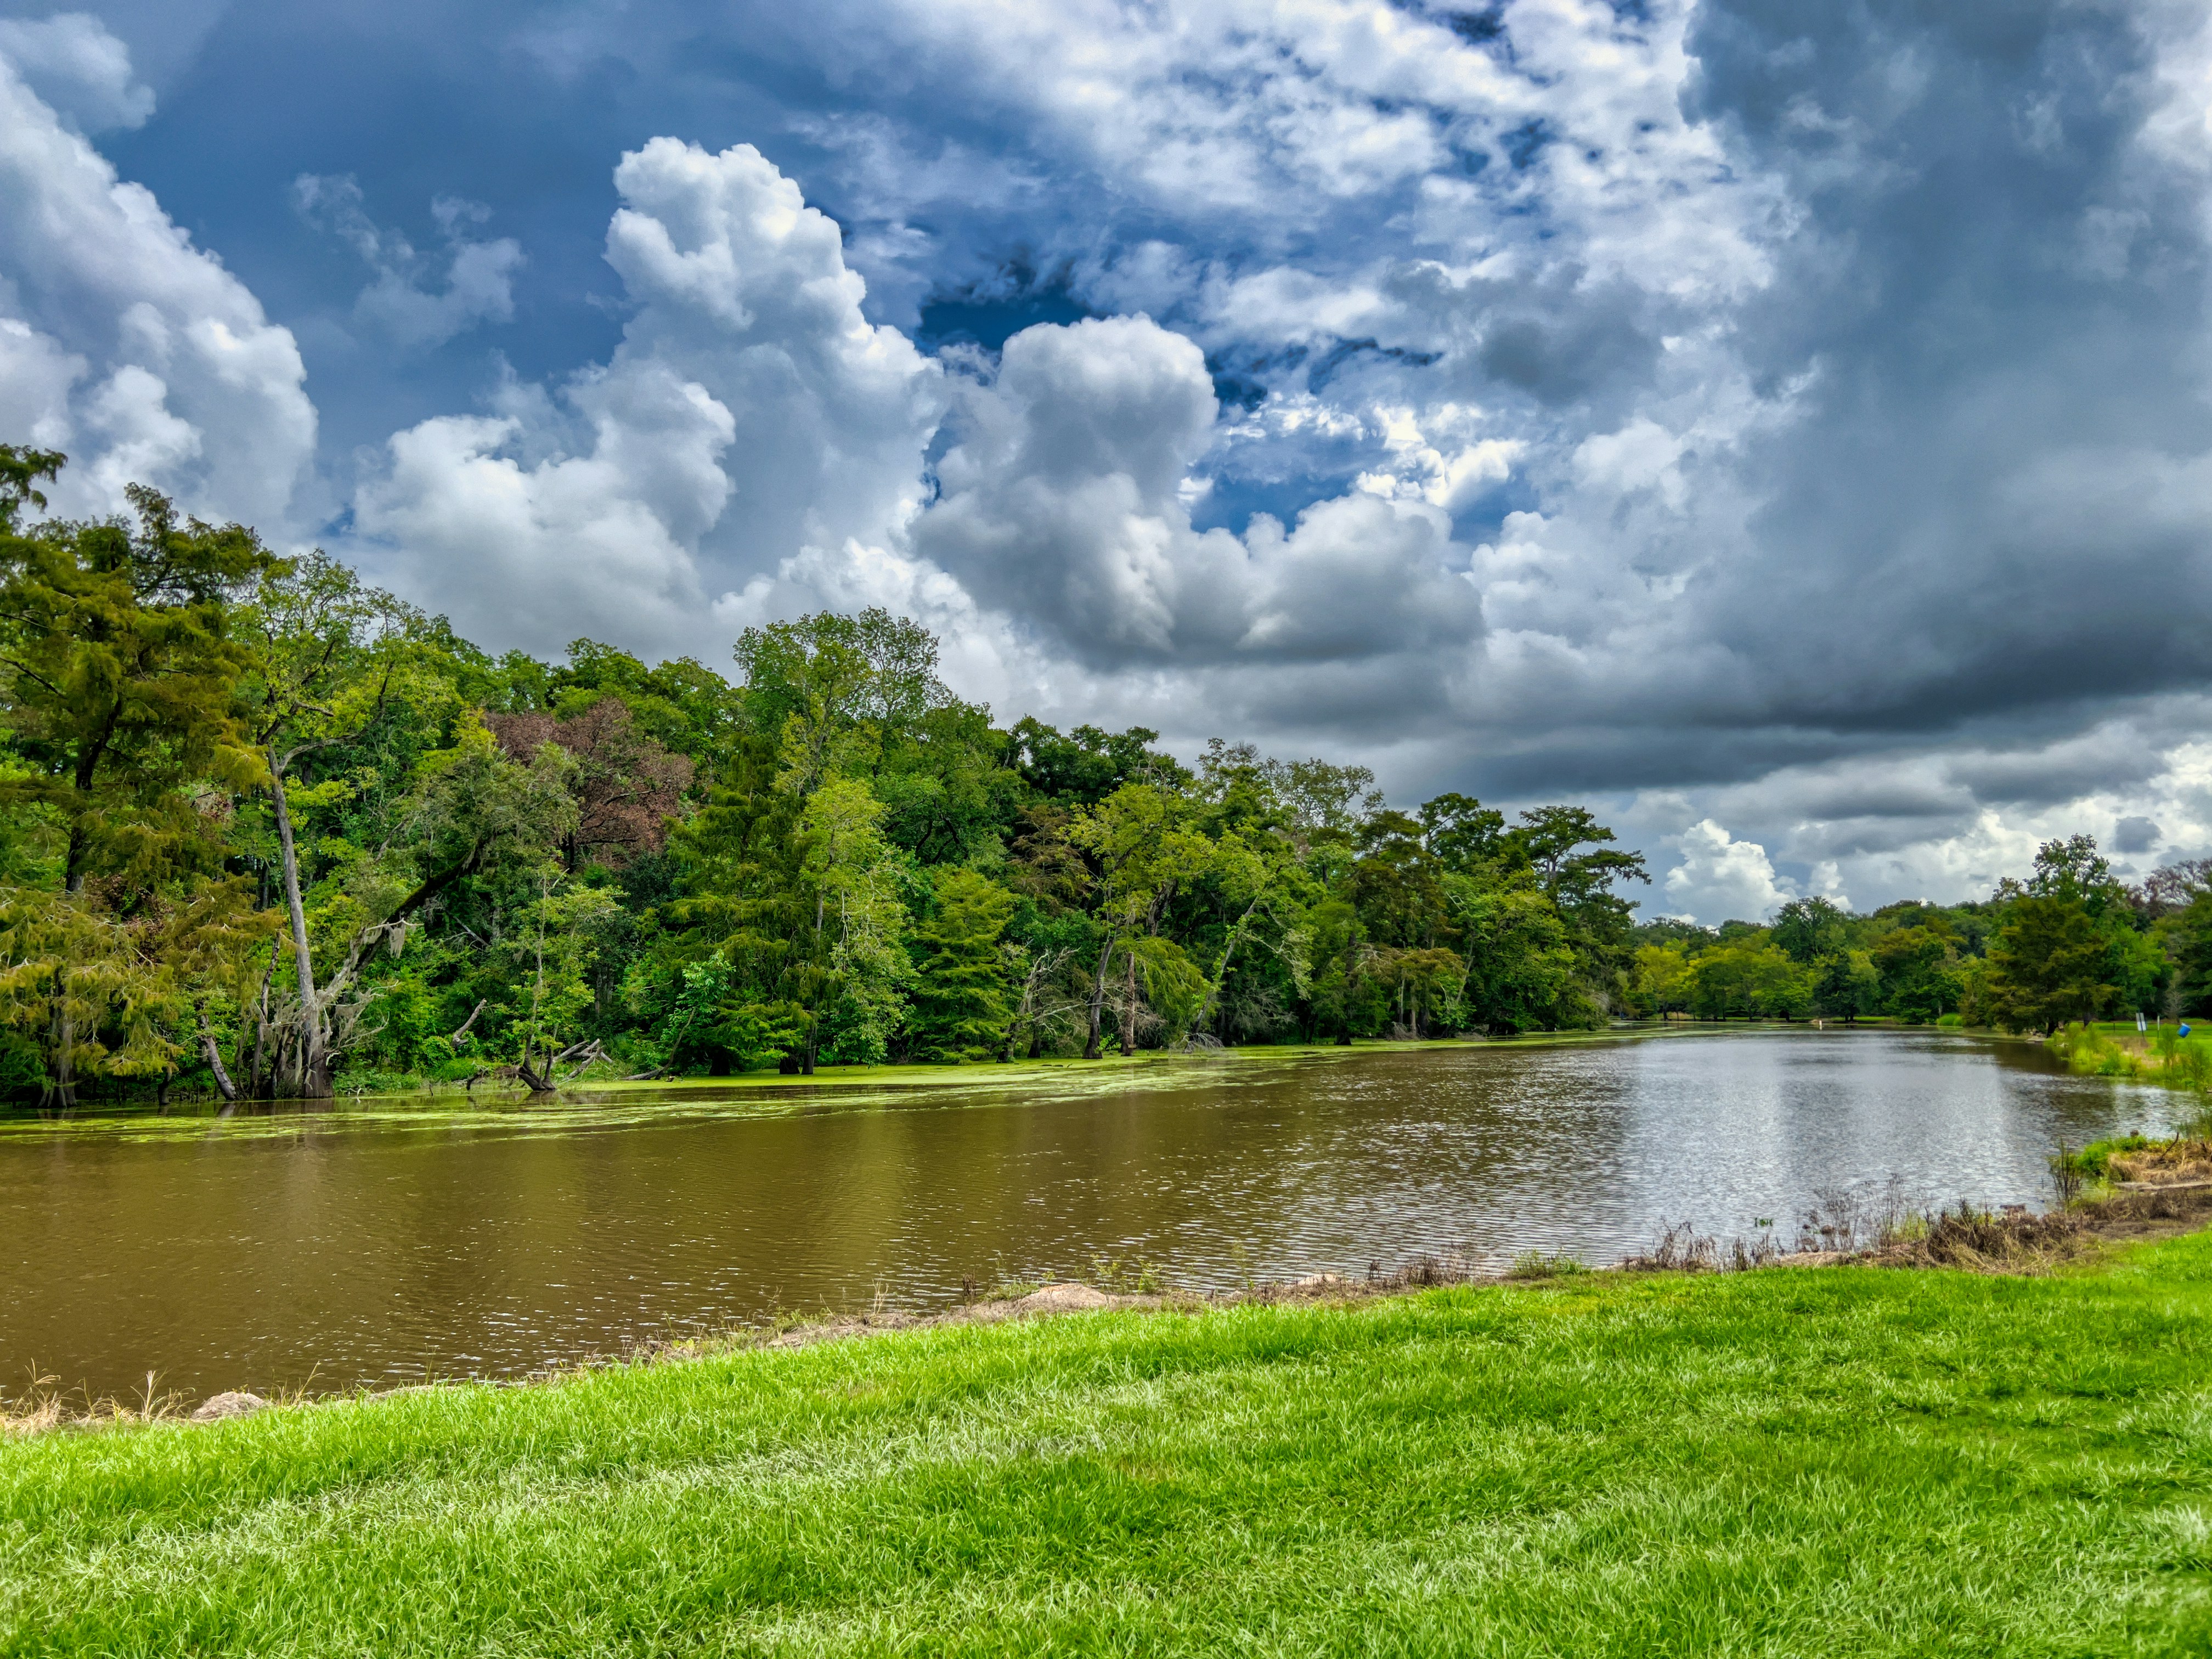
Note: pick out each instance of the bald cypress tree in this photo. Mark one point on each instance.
(961, 1006)
(118, 677)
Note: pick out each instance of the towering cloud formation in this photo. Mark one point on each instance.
(751, 413)
(754, 446)
(1063, 500)
(120, 341)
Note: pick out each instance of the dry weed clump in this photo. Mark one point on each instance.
(2013, 1241)
(2120, 1211)
(1848, 1227)
(1427, 1273)
(1680, 1249)
(2164, 1163)
(43, 1406)
(32, 1415)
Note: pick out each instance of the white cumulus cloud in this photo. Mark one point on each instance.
(122, 344)
(77, 68)
(1063, 505)
(751, 416)
(1720, 876)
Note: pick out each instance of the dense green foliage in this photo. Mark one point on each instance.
(1782, 1463)
(266, 829)
(2073, 945)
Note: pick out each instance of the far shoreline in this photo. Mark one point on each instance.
(501, 1098)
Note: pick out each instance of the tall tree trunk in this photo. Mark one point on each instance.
(257, 1076)
(1129, 1009)
(1207, 1006)
(61, 1092)
(213, 1055)
(315, 1065)
(1098, 997)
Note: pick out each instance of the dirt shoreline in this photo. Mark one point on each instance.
(2129, 1213)
(1997, 1244)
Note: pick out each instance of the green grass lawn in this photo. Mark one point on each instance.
(2200, 1032)
(2116, 1048)
(1829, 1462)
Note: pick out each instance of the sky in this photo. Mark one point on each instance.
(1785, 427)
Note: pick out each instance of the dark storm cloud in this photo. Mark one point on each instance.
(2134, 835)
(2064, 772)
(1996, 494)
(1579, 341)
(1975, 513)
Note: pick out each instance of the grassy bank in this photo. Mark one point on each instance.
(1787, 1461)
(616, 1099)
(2115, 1048)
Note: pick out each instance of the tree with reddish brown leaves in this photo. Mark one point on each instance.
(627, 785)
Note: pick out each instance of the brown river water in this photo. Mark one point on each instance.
(388, 1241)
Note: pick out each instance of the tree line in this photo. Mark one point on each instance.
(2071, 943)
(266, 829)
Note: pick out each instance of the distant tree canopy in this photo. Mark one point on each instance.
(2071, 943)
